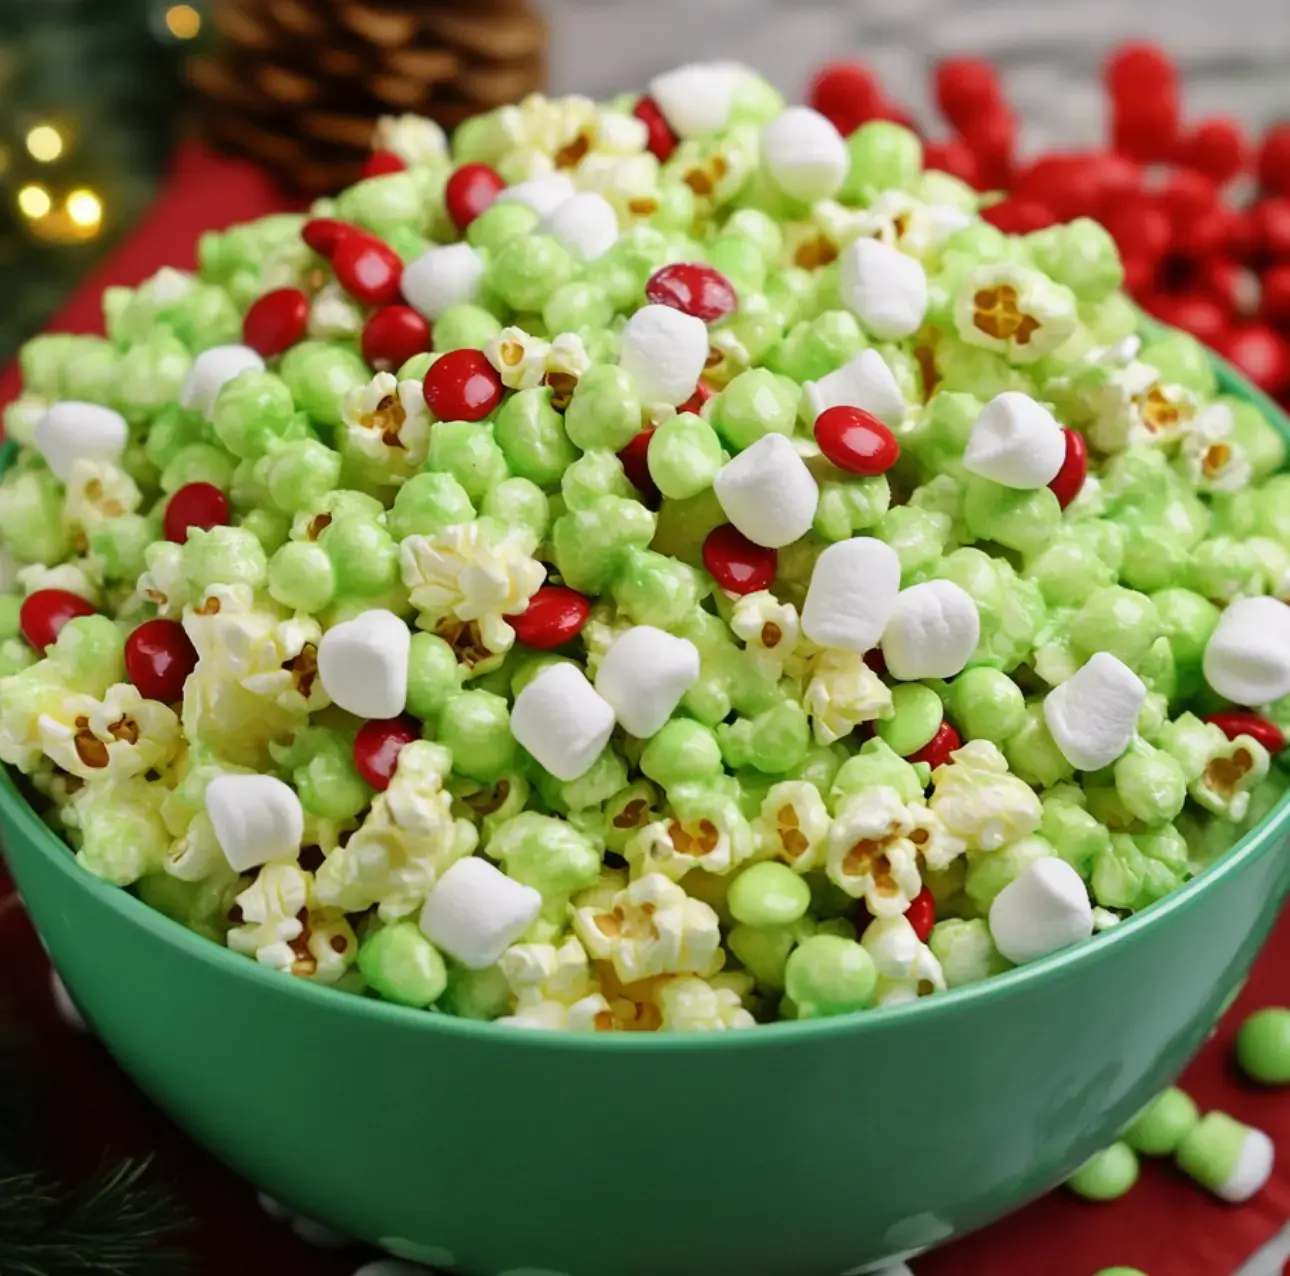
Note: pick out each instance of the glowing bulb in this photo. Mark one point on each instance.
(45, 143)
(183, 21)
(84, 208)
(34, 202)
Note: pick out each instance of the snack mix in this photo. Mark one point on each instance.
(658, 565)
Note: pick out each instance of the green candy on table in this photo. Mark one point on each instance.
(1263, 1046)
(1163, 1124)
(1106, 1175)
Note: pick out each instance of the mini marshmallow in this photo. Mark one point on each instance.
(363, 664)
(1043, 909)
(1015, 441)
(1247, 658)
(695, 99)
(866, 382)
(768, 493)
(442, 277)
(586, 225)
(1094, 713)
(665, 350)
(211, 370)
(644, 675)
(255, 818)
(933, 631)
(852, 593)
(70, 431)
(562, 720)
(475, 912)
(804, 154)
(884, 288)
(542, 194)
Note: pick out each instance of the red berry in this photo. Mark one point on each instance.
(200, 505)
(659, 136)
(735, 563)
(936, 752)
(44, 613)
(955, 158)
(992, 136)
(276, 321)
(1193, 312)
(1274, 300)
(921, 914)
(635, 459)
(1215, 147)
(856, 441)
(378, 744)
(381, 163)
(470, 190)
(1274, 160)
(965, 87)
(1139, 69)
(1016, 216)
(1260, 353)
(693, 289)
(702, 393)
(159, 656)
(368, 269)
(393, 335)
(1234, 723)
(846, 93)
(1070, 478)
(323, 234)
(554, 616)
(1270, 225)
(462, 386)
(1146, 129)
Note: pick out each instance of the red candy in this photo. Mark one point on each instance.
(1235, 723)
(462, 386)
(1140, 230)
(554, 616)
(992, 137)
(367, 269)
(936, 752)
(1146, 129)
(393, 335)
(44, 613)
(1270, 227)
(1274, 160)
(856, 441)
(381, 163)
(847, 94)
(735, 563)
(921, 914)
(635, 459)
(1139, 70)
(378, 744)
(702, 393)
(1070, 478)
(159, 656)
(1215, 147)
(693, 289)
(1196, 313)
(954, 157)
(965, 89)
(470, 191)
(659, 136)
(1262, 354)
(200, 505)
(1274, 300)
(276, 321)
(1016, 216)
(323, 234)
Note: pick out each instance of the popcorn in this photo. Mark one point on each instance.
(1130, 407)
(387, 423)
(96, 492)
(697, 1005)
(1014, 311)
(419, 142)
(520, 359)
(907, 968)
(715, 838)
(792, 825)
(163, 583)
(979, 801)
(111, 739)
(1214, 460)
(334, 315)
(842, 693)
(771, 630)
(553, 988)
(870, 855)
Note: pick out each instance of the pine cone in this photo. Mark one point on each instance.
(299, 84)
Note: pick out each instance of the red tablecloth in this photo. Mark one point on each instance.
(1165, 1226)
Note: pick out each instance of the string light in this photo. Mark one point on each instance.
(34, 202)
(44, 143)
(183, 21)
(84, 208)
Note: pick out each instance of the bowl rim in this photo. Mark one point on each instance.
(18, 817)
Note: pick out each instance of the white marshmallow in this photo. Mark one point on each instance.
(586, 225)
(933, 631)
(804, 154)
(562, 720)
(475, 912)
(884, 288)
(1247, 658)
(363, 664)
(255, 818)
(1040, 911)
(211, 371)
(442, 277)
(768, 493)
(852, 593)
(695, 99)
(1015, 441)
(542, 194)
(644, 675)
(1094, 713)
(866, 382)
(71, 431)
(1252, 1170)
(665, 350)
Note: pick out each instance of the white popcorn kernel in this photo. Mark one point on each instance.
(70, 431)
(475, 912)
(665, 350)
(644, 675)
(804, 154)
(694, 99)
(1015, 441)
(768, 493)
(256, 818)
(211, 371)
(1040, 911)
(1252, 1170)
(884, 288)
(1093, 714)
(363, 664)
(562, 720)
(542, 194)
(586, 225)
(851, 595)
(866, 382)
(442, 277)
(933, 630)
(1247, 658)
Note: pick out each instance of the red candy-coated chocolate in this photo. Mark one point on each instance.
(692, 288)
(1235, 723)
(44, 613)
(876, 661)
(393, 335)
(159, 656)
(847, 94)
(921, 914)
(1016, 216)
(469, 191)
(382, 163)
(936, 752)
(964, 88)
(1274, 160)
(368, 269)
(378, 744)
(635, 459)
(1070, 478)
(702, 393)
(1146, 129)
(200, 505)
(1270, 228)
(1274, 298)
(323, 234)
(991, 135)
(462, 386)
(1262, 354)
(1205, 233)
(856, 441)
(735, 563)
(554, 616)
(1215, 147)
(659, 136)
(276, 321)
(1201, 315)
(1139, 70)
(1140, 230)
(954, 157)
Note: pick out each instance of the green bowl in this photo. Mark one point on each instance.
(804, 1149)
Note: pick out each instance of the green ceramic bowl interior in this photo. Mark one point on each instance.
(800, 1148)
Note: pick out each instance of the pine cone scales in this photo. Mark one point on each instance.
(298, 84)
